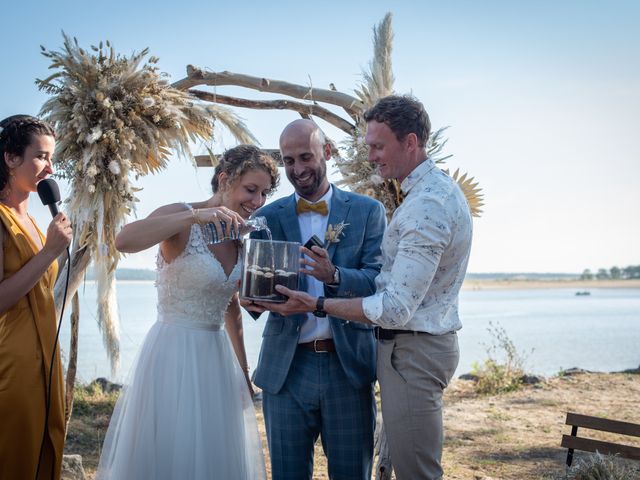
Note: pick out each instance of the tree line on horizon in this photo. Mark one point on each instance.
(614, 273)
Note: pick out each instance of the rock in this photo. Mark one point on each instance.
(107, 386)
(468, 376)
(530, 379)
(72, 468)
(573, 371)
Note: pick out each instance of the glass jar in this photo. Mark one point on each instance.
(265, 264)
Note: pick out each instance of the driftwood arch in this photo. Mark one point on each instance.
(73, 64)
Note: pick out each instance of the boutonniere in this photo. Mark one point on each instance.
(334, 232)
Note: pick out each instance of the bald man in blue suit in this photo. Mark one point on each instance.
(317, 372)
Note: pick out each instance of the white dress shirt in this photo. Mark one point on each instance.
(425, 251)
(312, 223)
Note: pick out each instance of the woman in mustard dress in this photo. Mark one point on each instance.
(28, 270)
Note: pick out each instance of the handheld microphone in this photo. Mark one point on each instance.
(49, 194)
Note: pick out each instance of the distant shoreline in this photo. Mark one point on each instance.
(127, 280)
(534, 284)
(509, 284)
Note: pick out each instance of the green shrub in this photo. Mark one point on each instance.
(91, 399)
(503, 370)
(493, 378)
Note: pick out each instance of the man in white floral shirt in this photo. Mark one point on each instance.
(425, 253)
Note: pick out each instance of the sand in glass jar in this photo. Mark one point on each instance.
(267, 263)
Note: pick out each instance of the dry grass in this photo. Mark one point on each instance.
(517, 435)
(89, 421)
(514, 435)
(601, 467)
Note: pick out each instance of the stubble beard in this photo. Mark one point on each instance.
(313, 188)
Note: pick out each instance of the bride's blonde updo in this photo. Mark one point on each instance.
(237, 161)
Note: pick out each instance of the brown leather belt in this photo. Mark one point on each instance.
(320, 346)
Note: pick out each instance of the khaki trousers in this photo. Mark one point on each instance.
(413, 371)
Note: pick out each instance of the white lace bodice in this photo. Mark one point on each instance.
(193, 289)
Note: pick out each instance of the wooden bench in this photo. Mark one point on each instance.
(573, 442)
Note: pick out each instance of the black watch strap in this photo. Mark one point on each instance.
(319, 311)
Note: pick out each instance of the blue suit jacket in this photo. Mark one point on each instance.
(358, 255)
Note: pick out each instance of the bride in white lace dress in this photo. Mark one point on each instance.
(186, 411)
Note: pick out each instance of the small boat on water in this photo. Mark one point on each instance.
(583, 293)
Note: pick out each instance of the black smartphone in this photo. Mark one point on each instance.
(314, 241)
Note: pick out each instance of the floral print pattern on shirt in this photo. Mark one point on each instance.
(425, 254)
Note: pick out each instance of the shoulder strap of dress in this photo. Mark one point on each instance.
(195, 244)
(8, 219)
(16, 232)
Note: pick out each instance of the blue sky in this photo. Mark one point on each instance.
(541, 98)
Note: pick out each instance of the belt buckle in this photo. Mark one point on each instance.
(315, 347)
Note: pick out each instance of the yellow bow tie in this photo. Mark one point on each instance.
(304, 206)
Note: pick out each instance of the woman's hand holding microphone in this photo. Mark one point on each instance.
(59, 235)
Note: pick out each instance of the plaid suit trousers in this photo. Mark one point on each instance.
(318, 400)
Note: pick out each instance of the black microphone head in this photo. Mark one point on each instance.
(49, 194)
(48, 191)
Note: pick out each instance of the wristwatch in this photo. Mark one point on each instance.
(319, 311)
(336, 277)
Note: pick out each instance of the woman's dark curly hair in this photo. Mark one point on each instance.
(16, 135)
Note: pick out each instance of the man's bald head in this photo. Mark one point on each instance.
(303, 127)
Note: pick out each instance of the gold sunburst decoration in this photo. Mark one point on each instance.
(471, 191)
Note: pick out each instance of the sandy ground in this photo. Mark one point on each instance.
(540, 284)
(509, 436)
(517, 435)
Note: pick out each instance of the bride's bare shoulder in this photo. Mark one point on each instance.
(169, 209)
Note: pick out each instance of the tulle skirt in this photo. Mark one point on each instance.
(186, 412)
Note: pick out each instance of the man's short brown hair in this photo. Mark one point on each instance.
(403, 114)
